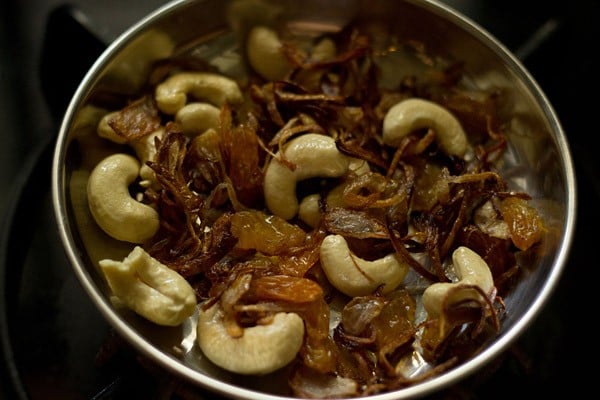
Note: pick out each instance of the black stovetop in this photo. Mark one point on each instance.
(55, 345)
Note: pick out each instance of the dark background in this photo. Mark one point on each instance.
(53, 333)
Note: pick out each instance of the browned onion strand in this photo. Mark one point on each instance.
(216, 231)
(138, 119)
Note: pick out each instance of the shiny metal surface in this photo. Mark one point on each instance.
(541, 164)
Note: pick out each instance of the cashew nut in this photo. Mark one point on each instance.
(325, 49)
(411, 114)
(145, 149)
(171, 95)
(150, 288)
(313, 155)
(265, 54)
(471, 270)
(111, 204)
(486, 218)
(309, 211)
(357, 277)
(260, 350)
(104, 130)
(195, 118)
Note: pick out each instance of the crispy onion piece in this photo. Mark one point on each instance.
(354, 223)
(136, 120)
(373, 190)
(177, 204)
(240, 152)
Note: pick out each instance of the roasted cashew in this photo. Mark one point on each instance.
(487, 219)
(471, 270)
(145, 149)
(325, 49)
(111, 204)
(104, 130)
(260, 350)
(309, 210)
(195, 118)
(265, 54)
(150, 288)
(172, 94)
(313, 155)
(357, 277)
(412, 114)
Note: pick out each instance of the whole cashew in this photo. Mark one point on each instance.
(145, 149)
(323, 50)
(104, 130)
(353, 275)
(471, 270)
(111, 204)
(265, 55)
(150, 288)
(411, 114)
(171, 95)
(309, 210)
(260, 350)
(486, 218)
(313, 155)
(195, 118)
